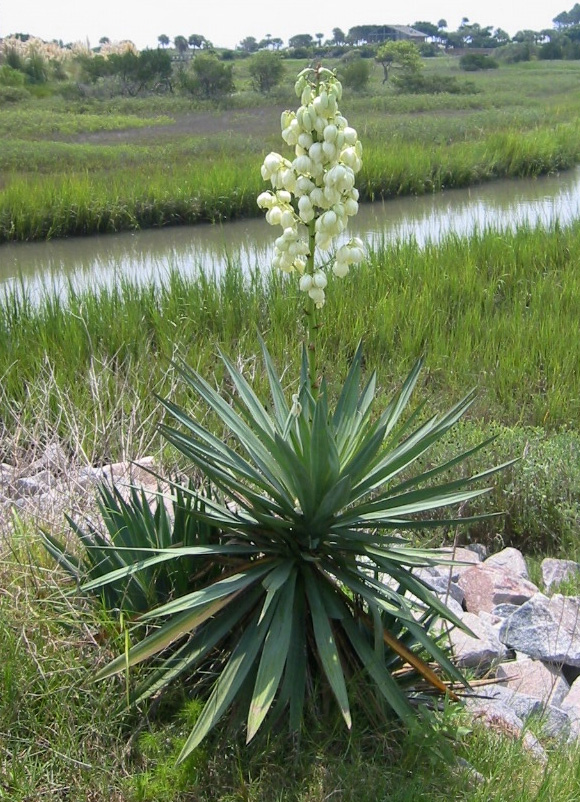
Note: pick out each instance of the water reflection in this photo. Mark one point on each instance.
(149, 255)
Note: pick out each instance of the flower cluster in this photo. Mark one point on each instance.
(313, 196)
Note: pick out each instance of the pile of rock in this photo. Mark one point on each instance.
(52, 483)
(527, 640)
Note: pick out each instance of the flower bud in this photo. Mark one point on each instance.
(305, 283)
(319, 279)
(265, 200)
(317, 296)
(329, 150)
(330, 133)
(302, 164)
(287, 218)
(350, 136)
(340, 269)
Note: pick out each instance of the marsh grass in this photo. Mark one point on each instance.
(521, 122)
(488, 310)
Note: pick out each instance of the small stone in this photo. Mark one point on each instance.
(33, 485)
(571, 702)
(480, 651)
(499, 718)
(554, 721)
(465, 557)
(438, 579)
(504, 610)
(479, 549)
(536, 679)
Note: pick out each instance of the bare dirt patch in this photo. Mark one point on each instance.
(253, 122)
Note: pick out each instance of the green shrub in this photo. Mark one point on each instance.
(355, 73)
(266, 69)
(472, 62)
(13, 94)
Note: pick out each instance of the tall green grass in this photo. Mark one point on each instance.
(495, 310)
(523, 121)
(226, 187)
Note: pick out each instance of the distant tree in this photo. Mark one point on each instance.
(566, 18)
(442, 24)
(196, 41)
(249, 44)
(319, 37)
(211, 78)
(403, 55)
(427, 28)
(163, 40)
(138, 71)
(300, 40)
(500, 37)
(277, 42)
(104, 40)
(338, 36)
(266, 70)
(181, 44)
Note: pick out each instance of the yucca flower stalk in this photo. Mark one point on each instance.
(313, 195)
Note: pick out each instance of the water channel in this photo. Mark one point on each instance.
(149, 255)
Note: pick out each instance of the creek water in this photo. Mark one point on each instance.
(145, 256)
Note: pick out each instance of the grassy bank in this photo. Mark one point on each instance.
(61, 737)
(89, 202)
(101, 166)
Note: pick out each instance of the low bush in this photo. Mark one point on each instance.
(472, 62)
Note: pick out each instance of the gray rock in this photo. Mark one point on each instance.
(571, 702)
(479, 549)
(438, 579)
(53, 459)
(33, 485)
(461, 560)
(486, 586)
(480, 651)
(554, 721)
(547, 629)
(510, 560)
(504, 610)
(536, 679)
(556, 571)
(498, 717)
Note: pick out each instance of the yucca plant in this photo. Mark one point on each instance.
(316, 583)
(308, 584)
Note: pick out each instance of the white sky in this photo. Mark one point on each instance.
(227, 22)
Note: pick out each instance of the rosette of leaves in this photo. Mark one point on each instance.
(135, 525)
(315, 584)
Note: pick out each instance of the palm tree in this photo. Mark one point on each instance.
(163, 40)
(181, 45)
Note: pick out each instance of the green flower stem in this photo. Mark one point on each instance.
(311, 315)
